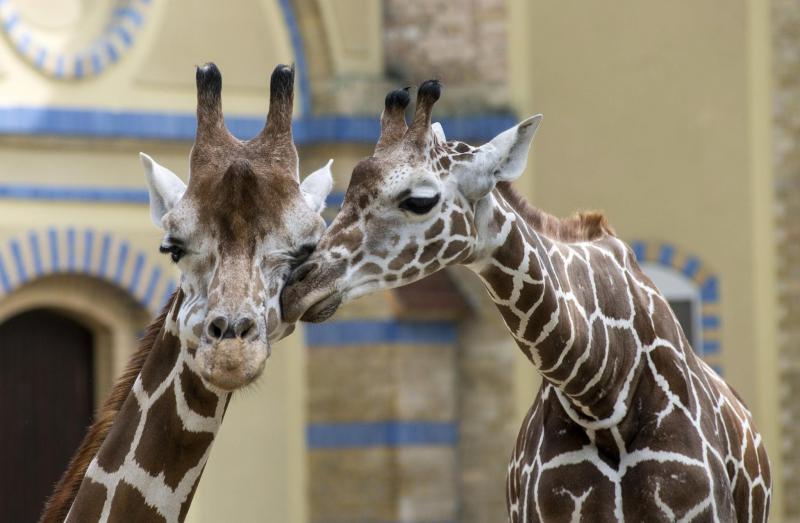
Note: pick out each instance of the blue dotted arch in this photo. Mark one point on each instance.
(85, 251)
(118, 35)
(707, 282)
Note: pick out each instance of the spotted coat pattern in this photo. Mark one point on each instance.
(151, 461)
(234, 232)
(629, 424)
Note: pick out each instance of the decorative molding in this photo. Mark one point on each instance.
(66, 193)
(308, 129)
(375, 332)
(669, 256)
(101, 255)
(391, 433)
(84, 194)
(107, 124)
(118, 35)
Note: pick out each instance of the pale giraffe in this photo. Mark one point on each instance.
(234, 232)
(629, 423)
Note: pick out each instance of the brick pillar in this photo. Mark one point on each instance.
(382, 430)
(786, 132)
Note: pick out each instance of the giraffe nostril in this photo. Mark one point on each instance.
(244, 327)
(217, 327)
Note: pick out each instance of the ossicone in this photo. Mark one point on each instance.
(393, 119)
(428, 93)
(278, 128)
(210, 121)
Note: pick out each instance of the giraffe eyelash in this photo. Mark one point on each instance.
(419, 205)
(300, 255)
(174, 248)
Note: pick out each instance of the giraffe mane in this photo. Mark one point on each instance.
(582, 226)
(59, 503)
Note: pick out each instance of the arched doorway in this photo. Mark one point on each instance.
(46, 403)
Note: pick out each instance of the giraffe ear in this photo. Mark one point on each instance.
(317, 186)
(501, 160)
(438, 131)
(164, 186)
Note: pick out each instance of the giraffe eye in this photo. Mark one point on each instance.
(299, 256)
(175, 252)
(419, 205)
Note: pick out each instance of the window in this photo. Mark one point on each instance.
(683, 296)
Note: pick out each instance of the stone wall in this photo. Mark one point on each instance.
(358, 50)
(786, 135)
(464, 44)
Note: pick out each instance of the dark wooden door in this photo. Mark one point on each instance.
(46, 404)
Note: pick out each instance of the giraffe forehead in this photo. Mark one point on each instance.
(241, 205)
(419, 179)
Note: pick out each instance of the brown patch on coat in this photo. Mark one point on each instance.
(198, 397)
(65, 491)
(160, 363)
(500, 282)
(129, 505)
(111, 457)
(459, 225)
(453, 248)
(409, 273)
(435, 229)
(511, 319)
(513, 251)
(406, 256)
(166, 447)
(430, 251)
(529, 294)
(89, 506)
(350, 239)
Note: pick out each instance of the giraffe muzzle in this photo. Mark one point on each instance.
(300, 302)
(232, 353)
(323, 309)
(232, 363)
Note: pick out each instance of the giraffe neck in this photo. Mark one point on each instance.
(571, 309)
(150, 463)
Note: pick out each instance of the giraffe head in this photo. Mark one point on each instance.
(236, 230)
(418, 204)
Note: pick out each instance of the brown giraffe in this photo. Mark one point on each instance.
(234, 232)
(629, 423)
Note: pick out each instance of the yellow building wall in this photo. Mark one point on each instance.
(157, 72)
(658, 113)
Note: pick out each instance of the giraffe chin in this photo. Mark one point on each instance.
(231, 364)
(323, 309)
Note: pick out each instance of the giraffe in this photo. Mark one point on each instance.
(234, 233)
(629, 424)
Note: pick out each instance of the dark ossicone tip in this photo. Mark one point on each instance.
(209, 79)
(281, 83)
(429, 91)
(397, 99)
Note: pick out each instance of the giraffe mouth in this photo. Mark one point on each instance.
(322, 309)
